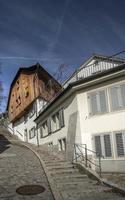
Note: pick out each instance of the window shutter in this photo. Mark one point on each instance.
(93, 103)
(61, 118)
(49, 125)
(98, 147)
(119, 144)
(103, 103)
(123, 94)
(107, 145)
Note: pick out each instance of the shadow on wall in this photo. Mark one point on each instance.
(4, 142)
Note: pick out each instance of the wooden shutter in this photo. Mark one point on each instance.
(49, 125)
(98, 147)
(119, 144)
(61, 118)
(107, 145)
(103, 103)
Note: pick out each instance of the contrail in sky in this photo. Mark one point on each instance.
(19, 58)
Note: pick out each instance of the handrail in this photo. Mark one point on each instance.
(81, 154)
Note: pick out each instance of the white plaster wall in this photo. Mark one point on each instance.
(69, 106)
(109, 122)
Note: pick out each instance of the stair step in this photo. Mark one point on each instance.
(60, 167)
(53, 161)
(64, 171)
(59, 164)
(71, 176)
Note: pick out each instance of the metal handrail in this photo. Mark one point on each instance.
(81, 153)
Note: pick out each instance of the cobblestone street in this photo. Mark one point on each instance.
(18, 167)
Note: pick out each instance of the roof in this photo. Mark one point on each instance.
(83, 81)
(34, 68)
(97, 57)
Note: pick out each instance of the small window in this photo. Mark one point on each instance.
(62, 144)
(55, 122)
(44, 130)
(50, 144)
(32, 133)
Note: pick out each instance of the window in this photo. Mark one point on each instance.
(32, 133)
(62, 144)
(44, 129)
(25, 117)
(41, 132)
(103, 146)
(120, 144)
(50, 144)
(98, 102)
(117, 95)
(57, 121)
(49, 125)
(31, 111)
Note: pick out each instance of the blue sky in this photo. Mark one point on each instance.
(55, 32)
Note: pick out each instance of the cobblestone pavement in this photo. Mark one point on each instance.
(18, 167)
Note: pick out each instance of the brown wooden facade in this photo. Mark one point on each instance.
(28, 84)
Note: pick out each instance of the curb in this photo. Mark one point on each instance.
(56, 194)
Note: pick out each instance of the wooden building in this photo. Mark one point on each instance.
(29, 84)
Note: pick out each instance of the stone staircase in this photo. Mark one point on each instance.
(71, 184)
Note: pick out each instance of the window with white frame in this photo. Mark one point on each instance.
(120, 143)
(62, 144)
(103, 146)
(44, 130)
(117, 97)
(98, 102)
(57, 120)
(32, 133)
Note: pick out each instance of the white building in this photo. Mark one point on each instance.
(90, 111)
